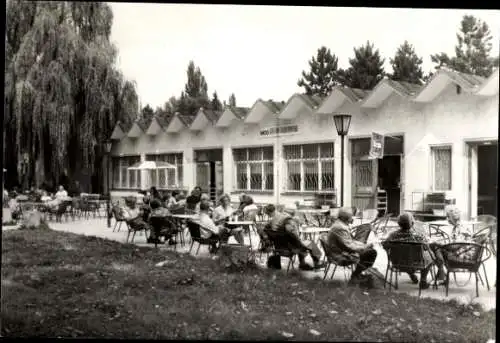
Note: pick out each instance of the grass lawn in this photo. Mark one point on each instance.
(57, 284)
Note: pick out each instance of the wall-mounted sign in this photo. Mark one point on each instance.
(279, 130)
(377, 145)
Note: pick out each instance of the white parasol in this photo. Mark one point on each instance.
(151, 165)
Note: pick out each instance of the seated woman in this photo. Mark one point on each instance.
(133, 215)
(159, 211)
(171, 199)
(284, 222)
(221, 215)
(61, 194)
(208, 229)
(406, 233)
(14, 207)
(204, 198)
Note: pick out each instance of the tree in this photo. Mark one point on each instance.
(232, 100)
(63, 95)
(195, 93)
(215, 104)
(407, 65)
(147, 112)
(366, 68)
(322, 75)
(473, 49)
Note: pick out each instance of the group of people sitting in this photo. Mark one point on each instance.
(212, 219)
(49, 201)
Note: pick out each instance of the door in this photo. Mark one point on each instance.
(203, 175)
(364, 175)
(487, 173)
(389, 177)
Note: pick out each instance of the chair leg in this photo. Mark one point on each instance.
(197, 250)
(486, 278)
(390, 280)
(386, 274)
(326, 270)
(128, 234)
(133, 236)
(447, 282)
(114, 227)
(119, 226)
(333, 273)
(290, 262)
(477, 284)
(396, 285)
(191, 248)
(420, 285)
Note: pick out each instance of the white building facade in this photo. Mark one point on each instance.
(440, 137)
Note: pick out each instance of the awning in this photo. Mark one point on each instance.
(149, 165)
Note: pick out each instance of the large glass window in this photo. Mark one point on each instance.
(254, 168)
(124, 178)
(309, 167)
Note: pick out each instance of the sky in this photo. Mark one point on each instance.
(260, 51)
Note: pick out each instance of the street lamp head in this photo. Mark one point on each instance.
(342, 123)
(107, 146)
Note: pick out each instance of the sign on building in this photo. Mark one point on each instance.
(279, 130)
(377, 145)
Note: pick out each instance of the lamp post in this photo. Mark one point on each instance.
(107, 145)
(342, 123)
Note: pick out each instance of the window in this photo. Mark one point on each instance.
(309, 167)
(441, 168)
(254, 168)
(124, 178)
(166, 178)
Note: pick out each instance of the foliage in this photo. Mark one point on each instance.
(473, 49)
(366, 68)
(232, 100)
(215, 104)
(407, 65)
(147, 113)
(63, 92)
(322, 75)
(195, 93)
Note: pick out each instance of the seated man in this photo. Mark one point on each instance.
(61, 194)
(208, 229)
(133, 215)
(341, 241)
(158, 211)
(283, 221)
(203, 198)
(407, 233)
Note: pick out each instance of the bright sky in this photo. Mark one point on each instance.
(260, 51)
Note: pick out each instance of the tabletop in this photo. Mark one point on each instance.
(240, 222)
(313, 211)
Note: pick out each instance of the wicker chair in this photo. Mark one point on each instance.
(407, 257)
(465, 258)
(163, 226)
(134, 226)
(362, 232)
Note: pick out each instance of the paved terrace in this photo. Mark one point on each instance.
(465, 294)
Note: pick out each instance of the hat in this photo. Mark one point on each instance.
(290, 209)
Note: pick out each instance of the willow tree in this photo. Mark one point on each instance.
(63, 92)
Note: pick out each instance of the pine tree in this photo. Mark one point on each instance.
(366, 68)
(216, 105)
(473, 49)
(195, 93)
(322, 75)
(232, 100)
(407, 65)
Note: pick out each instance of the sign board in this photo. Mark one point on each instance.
(377, 145)
(279, 130)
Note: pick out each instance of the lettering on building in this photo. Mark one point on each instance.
(279, 130)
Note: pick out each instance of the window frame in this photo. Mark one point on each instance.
(178, 158)
(247, 163)
(318, 160)
(125, 162)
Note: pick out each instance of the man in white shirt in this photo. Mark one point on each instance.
(61, 194)
(223, 212)
(208, 229)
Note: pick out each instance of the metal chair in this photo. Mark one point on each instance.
(465, 258)
(195, 232)
(163, 226)
(119, 219)
(345, 260)
(408, 257)
(286, 244)
(362, 232)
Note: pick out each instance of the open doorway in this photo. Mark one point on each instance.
(209, 174)
(389, 174)
(487, 173)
